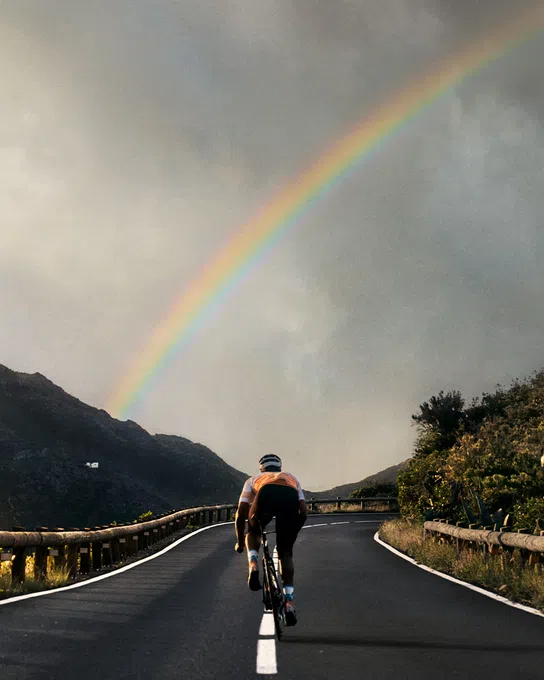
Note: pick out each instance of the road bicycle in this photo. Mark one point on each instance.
(273, 597)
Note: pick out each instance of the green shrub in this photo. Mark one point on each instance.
(144, 517)
(529, 514)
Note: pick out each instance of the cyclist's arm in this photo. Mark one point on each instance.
(302, 509)
(303, 512)
(242, 515)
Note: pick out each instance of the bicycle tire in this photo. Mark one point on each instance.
(276, 597)
(267, 598)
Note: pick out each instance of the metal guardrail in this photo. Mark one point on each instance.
(363, 503)
(495, 540)
(84, 551)
(80, 552)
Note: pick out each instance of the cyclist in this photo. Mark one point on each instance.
(272, 493)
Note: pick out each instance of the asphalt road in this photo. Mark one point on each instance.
(363, 613)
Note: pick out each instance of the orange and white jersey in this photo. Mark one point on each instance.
(254, 484)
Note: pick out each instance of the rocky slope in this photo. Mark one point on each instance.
(47, 437)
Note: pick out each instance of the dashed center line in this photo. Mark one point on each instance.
(267, 663)
(339, 523)
(266, 657)
(267, 624)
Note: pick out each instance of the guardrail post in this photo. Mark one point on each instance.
(106, 554)
(85, 558)
(58, 553)
(18, 566)
(115, 551)
(40, 563)
(338, 502)
(97, 555)
(131, 545)
(71, 561)
(123, 543)
(60, 557)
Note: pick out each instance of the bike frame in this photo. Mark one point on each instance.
(273, 597)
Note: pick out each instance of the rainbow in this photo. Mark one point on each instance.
(249, 244)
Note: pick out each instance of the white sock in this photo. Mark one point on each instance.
(252, 555)
(289, 592)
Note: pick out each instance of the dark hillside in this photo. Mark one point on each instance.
(387, 476)
(47, 437)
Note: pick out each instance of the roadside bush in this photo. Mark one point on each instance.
(529, 514)
(486, 456)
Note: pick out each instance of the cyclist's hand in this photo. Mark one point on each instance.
(239, 548)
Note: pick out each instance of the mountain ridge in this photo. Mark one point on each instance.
(47, 437)
(386, 476)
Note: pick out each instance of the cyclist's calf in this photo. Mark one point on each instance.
(287, 566)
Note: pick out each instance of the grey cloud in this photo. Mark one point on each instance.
(135, 137)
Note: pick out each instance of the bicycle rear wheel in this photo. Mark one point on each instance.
(276, 597)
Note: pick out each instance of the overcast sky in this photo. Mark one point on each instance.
(136, 135)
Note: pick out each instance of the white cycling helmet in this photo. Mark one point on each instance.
(270, 462)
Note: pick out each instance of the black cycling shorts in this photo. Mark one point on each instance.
(281, 502)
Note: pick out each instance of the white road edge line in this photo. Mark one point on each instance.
(476, 589)
(309, 526)
(334, 523)
(88, 582)
(266, 657)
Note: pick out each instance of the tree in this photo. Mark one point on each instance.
(442, 415)
(423, 489)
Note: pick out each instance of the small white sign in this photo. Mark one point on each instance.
(92, 465)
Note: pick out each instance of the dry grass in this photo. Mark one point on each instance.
(56, 577)
(504, 574)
